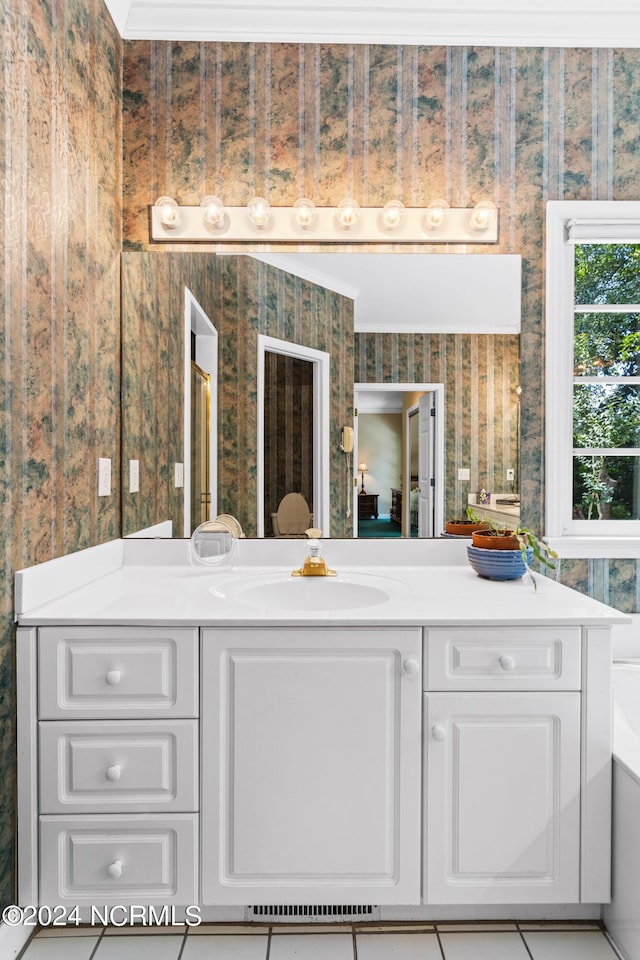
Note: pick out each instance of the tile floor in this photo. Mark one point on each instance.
(436, 941)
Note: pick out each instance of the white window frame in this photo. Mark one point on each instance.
(606, 221)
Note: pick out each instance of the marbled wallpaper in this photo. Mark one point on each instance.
(279, 305)
(518, 125)
(481, 407)
(60, 182)
(153, 356)
(243, 297)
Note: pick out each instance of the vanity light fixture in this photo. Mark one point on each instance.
(304, 213)
(392, 215)
(212, 211)
(259, 212)
(304, 222)
(482, 215)
(168, 212)
(348, 213)
(436, 214)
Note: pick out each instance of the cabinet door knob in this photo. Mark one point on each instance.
(411, 666)
(115, 869)
(438, 733)
(112, 678)
(507, 663)
(113, 772)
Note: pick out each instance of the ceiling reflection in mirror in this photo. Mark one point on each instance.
(446, 319)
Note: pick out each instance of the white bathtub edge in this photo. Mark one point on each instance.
(622, 915)
(626, 638)
(626, 738)
(13, 940)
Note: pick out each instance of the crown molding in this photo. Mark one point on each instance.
(119, 10)
(424, 22)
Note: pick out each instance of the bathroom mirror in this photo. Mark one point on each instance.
(182, 305)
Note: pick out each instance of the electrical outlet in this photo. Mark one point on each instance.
(511, 475)
(134, 476)
(178, 475)
(464, 473)
(104, 476)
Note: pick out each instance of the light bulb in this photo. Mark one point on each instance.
(304, 212)
(212, 211)
(436, 214)
(347, 214)
(168, 212)
(481, 215)
(392, 214)
(259, 211)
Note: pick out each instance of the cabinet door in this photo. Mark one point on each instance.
(311, 766)
(503, 797)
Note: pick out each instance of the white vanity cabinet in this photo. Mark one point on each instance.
(311, 742)
(386, 764)
(115, 785)
(507, 793)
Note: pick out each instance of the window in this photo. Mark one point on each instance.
(593, 378)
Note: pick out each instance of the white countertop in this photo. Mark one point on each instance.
(495, 510)
(155, 582)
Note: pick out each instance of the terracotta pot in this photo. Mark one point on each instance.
(504, 541)
(465, 527)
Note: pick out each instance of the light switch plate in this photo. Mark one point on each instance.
(179, 475)
(134, 476)
(104, 476)
(511, 475)
(464, 473)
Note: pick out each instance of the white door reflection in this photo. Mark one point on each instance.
(201, 348)
(415, 507)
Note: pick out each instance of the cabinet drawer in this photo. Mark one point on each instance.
(113, 860)
(118, 672)
(145, 766)
(502, 658)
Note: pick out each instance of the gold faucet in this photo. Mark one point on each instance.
(314, 565)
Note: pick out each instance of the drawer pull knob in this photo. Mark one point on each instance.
(112, 678)
(411, 667)
(507, 663)
(115, 869)
(438, 733)
(113, 772)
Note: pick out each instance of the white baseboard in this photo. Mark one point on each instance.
(13, 940)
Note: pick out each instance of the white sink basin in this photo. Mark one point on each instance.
(284, 592)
